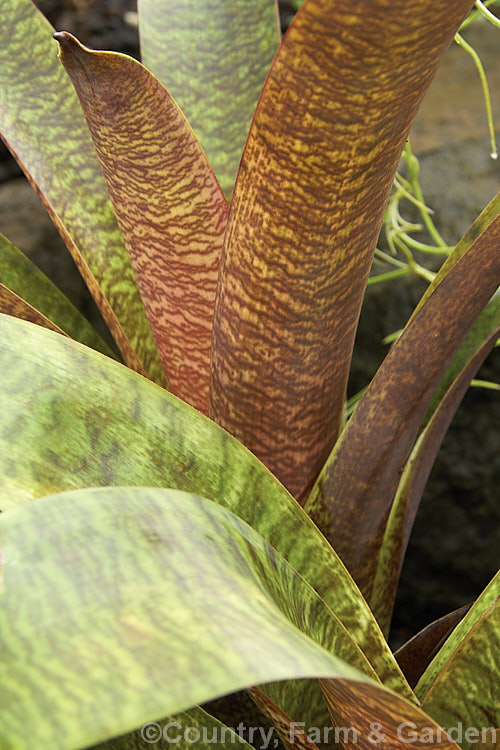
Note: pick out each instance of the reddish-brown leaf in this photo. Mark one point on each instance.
(366, 717)
(417, 653)
(308, 203)
(169, 206)
(12, 304)
(411, 487)
(352, 499)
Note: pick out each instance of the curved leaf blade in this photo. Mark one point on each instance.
(213, 58)
(13, 304)
(120, 601)
(315, 175)
(397, 724)
(459, 636)
(182, 730)
(467, 689)
(168, 202)
(352, 500)
(412, 484)
(23, 278)
(415, 655)
(93, 422)
(36, 98)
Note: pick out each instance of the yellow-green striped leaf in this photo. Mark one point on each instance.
(309, 200)
(42, 123)
(169, 205)
(213, 57)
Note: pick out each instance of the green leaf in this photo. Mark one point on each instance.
(23, 278)
(12, 304)
(182, 730)
(412, 483)
(213, 58)
(93, 422)
(415, 655)
(461, 683)
(315, 176)
(352, 499)
(168, 202)
(42, 123)
(459, 637)
(120, 605)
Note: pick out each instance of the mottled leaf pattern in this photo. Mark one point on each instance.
(412, 484)
(466, 689)
(115, 601)
(12, 304)
(182, 728)
(19, 275)
(169, 205)
(118, 429)
(415, 655)
(366, 721)
(315, 175)
(352, 500)
(42, 123)
(458, 637)
(213, 57)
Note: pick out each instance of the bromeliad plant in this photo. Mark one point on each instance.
(149, 561)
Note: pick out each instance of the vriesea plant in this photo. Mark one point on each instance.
(150, 562)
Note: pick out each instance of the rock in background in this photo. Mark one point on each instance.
(454, 549)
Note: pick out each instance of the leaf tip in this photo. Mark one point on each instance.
(68, 44)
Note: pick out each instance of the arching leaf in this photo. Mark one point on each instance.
(169, 205)
(93, 422)
(412, 484)
(42, 123)
(352, 500)
(117, 588)
(23, 278)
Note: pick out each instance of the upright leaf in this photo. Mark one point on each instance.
(21, 276)
(411, 487)
(352, 499)
(315, 175)
(459, 637)
(123, 587)
(12, 304)
(213, 57)
(466, 688)
(93, 422)
(170, 208)
(415, 655)
(42, 123)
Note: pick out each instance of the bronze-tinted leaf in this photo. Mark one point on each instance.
(352, 499)
(414, 655)
(366, 718)
(169, 206)
(315, 175)
(412, 485)
(42, 123)
(12, 304)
